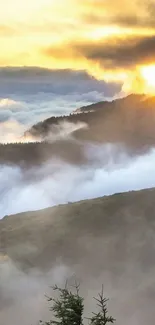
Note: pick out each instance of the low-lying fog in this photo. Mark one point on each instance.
(108, 170)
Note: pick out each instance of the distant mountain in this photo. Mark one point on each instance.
(44, 127)
(129, 121)
(101, 105)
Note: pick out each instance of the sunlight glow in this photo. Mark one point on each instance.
(49, 33)
(148, 73)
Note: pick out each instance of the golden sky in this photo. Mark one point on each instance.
(112, 40)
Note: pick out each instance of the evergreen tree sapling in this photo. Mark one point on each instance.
(101, 318)
(69, 307)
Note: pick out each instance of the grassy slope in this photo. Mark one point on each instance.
(120, 227)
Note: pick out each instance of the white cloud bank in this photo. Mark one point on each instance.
(30, 95)
(58, 182)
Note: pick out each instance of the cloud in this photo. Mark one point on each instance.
(120, 53)
(9, 108)
(30, 95)
(22, 292)
(32, 81)
(80, 35)
(140, 15)
(120, 40)
(107, 170)
(63, 130)
(11, 131)
(8, 103)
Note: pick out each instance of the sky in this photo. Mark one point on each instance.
(111, 40)
(58, 55)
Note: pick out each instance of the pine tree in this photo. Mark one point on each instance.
(101, 318)
(68, 308)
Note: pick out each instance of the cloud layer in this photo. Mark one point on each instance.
(108, 170)
(29, 95)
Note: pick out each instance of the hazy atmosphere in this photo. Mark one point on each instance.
(107, 170)
(77, 156)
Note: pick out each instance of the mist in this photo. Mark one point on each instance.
(108, 169)
(22, 295)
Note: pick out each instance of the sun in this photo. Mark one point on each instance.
(148, 75)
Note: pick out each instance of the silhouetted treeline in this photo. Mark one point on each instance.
(129, 121)
(36, 153)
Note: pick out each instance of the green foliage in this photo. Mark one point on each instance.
(101, 318)
(69, 307)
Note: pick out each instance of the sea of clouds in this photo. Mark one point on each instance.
(30, 95)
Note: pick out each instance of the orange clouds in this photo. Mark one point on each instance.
(110, 39)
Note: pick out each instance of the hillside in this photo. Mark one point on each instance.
(72, 231)
(128, 120)
(88, 114)
(108, 240)
(37, 153)
(101, 105)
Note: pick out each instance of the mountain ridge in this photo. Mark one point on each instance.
(128, 122)
(82, 110)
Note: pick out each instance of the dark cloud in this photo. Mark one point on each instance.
(59, 82)
(136, 21)
(120, 53)
(123, 20)
(123, 13)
